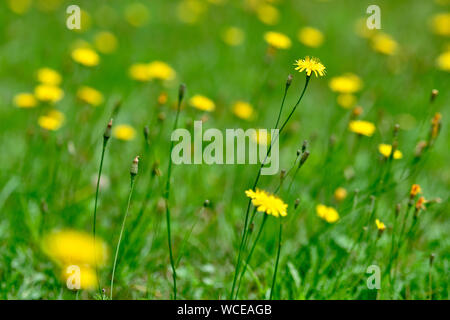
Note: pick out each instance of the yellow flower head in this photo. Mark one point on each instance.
(441, 24)
(386, 149)
(48, 93)
(380, 225)
(25, 100)
(310, 65)
(420, 204)
(49, 76)
(233, 36)
(346, 100)
(268, 203)
(70, 247)
(87, 276)
(160, 70)
(139, 72)
(202, 103)
(340, 194)
(310, 37)
(329, 214)
(443, 61)
(415, 190)
(105, 42)
(52, 121)
(86, 57)
(261, 137)
(385, 44)
(137, 14)
(347, 83)
(277, 40)
(124, 132)
(243, 110)
(362, 127)
(90, 95)
(268, 14)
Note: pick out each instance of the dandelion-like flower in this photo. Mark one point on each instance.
(202, 103)
(380, 225)
(160, 70)
(329, 214)
(52, 121)
(340, 194)
(277, 40)
(310, 65)
(48, 93)
(386, 150)
(268, 203)
(415, 190)
(362, 127)
(124, 132)
(243, 110)
(420, 204)
(347, 83)
(443, 61)
(90, 96)
(25, 100)
(384, 44)
(49, 76)
(86, 57)
(310, 37)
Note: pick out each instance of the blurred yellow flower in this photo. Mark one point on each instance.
(268, 203)
(362, 127)
(162, 98)
(25, 100)
(310, 65)
(189, 11)
(19, 6)
(329, 214)
(362, 30)
(48, 93)
(243, 110)
(380, 225)
(88, 277)
(137, 14)
(385, 44)
(261, 137)
(340, 194)
(160, 70)
(386, 149)
(139, 72)
(420, 204)
(347, 83)
(105, 42)
(124, 132)
(90, 96)
(202, 103)
(440, 24)
(415, 190)
(49, 76)
(346, 100)
(233, 36)
(86, 57)
(310, 37)
(443, 61)
(268, 14)
(52, 121)
(277, 40)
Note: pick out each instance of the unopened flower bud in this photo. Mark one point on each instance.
(304, 145)
(282, 174)
(432, 256)
(107, 133)
(305, 156)
(434, 94)
(289, 80)
(134, 166)
(206, 203)
(297, 202)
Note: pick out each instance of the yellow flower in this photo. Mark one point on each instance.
(385, 44)
(162, 98)
(160, 70)
(346, 100)
(90, 96)
(380, 225)
(202, 103)
(420, 204)
(124, 132)
(277, 40)
(25, 100)
(86, 57)
(19, 6)
(52, 121)
(386, 149)
(310, 65)
(362, 127)
(310, 37)
(233, 36)
(139, 72)
(88, 277)
(49, 76)
(261, 137)
(340, 194)
(268, 14)
(106, 42)
(415, 190)
(441, 24)
(268, 203)
(48, 93)
(443, 61)
(137, 14)
(243, 110)
(347, 83)
(329, 214)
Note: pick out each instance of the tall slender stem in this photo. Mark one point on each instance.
(120, 235)
(276, 261)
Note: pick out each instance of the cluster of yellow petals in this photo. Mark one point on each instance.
(362, 127)
(52, 120)
(329, 214)
(310, 65)
(202, 103)
(277, 40)
(386, 150)
(124, 132)
(268, 203)
(90, 96)
(243, 110)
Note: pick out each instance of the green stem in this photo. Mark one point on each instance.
(121, 233)
(276, 261)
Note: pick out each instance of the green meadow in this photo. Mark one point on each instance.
(364, 155)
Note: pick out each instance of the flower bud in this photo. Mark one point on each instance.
(434, 94)
(305, 156)
(107, 133)
(289, 80)
(134, 166)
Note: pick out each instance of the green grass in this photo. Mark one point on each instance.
(44, 186)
